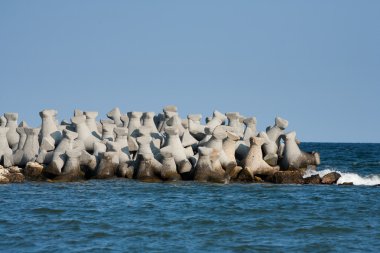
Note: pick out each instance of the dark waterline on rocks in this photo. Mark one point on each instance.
(126, 215)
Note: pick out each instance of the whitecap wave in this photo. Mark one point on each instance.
(359, 180)
(347, 177)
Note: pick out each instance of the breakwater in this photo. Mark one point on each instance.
(225, 148)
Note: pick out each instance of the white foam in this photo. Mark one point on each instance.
(321, 173)
(359, 180)
(347, 177)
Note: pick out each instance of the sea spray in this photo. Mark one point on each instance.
(347, 177)
(359, 180)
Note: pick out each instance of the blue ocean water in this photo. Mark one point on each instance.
(122, 215)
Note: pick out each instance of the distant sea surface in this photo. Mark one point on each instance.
(122, 215)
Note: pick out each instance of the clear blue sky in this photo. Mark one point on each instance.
(316, 63)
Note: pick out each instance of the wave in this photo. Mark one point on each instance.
(347, 177)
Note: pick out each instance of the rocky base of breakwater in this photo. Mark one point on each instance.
(37, 172)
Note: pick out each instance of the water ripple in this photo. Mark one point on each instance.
(129, 216)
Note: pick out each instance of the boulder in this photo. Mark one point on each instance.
(288, 177)
(10, 176)
(16, 178)
(314, 179)
(330, 178)
(347, 183)
(3, 180)
(33, 171)
(15, 169)
(4, 173)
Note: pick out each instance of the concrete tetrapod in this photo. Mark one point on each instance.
(84, 133)
(49, 129)
(254, 164)
(72, 169)
(147, 168)
(174, 146)
(250, 129)
(217, 119)
(125, 120)
(168, 112)
(12, 136)
(150, 128)
(274, 132)
(272, 141)
(168, 170)
(270, 149)
(122, 140)
(17, 154)
(196, 129)
(115, 147)
(108, 131)
(59, 155)
(229, 145)
(3, 121)
(134, 125)
(234, 123)
(21, 132)
(30, 149)
(92, 124)
(294, 157)
(5, 151)
(216, 142)
(108, 165)
(189, 143)
(242, 146)
(115, 115)
(208, 168)
(148, 122)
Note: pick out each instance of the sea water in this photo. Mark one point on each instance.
(122, 215)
